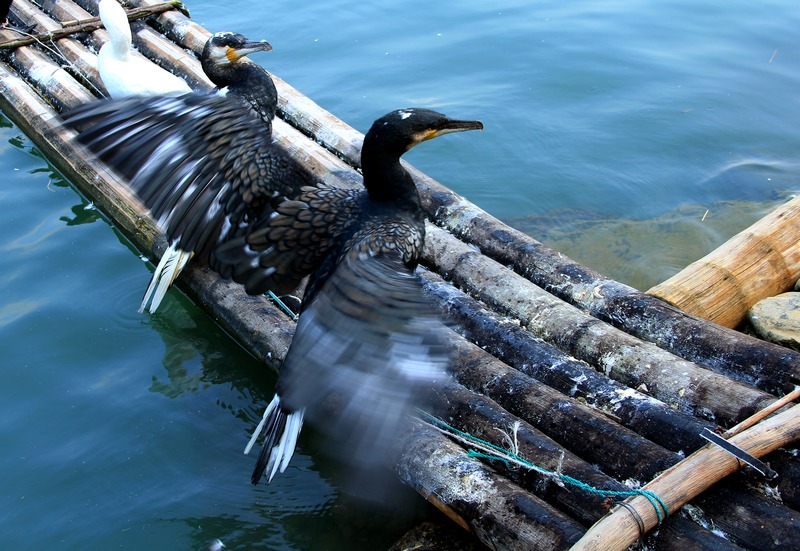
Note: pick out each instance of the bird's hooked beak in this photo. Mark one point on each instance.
(235, 54)
(446, 126)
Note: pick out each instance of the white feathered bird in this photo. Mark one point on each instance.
(123, 73)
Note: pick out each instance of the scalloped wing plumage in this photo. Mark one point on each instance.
(204, 165)
(276, 253)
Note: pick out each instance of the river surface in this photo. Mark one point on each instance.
(633, 136)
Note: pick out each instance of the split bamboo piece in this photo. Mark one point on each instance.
(761, 261)
(692, 476)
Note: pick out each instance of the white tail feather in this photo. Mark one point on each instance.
(272, 405)
(293, 426)
(169, 268)
(282, 452)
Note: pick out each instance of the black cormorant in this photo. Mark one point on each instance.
(366, 337)
(204, 165)
(223, 61)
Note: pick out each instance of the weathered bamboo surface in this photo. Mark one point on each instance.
(759, 262)
(596, 375)
(689, 478)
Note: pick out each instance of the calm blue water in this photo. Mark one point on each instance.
(124, 431)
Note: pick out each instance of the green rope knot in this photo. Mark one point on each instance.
(493, 452)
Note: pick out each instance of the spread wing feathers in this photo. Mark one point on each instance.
(203, 164)
(276, 253)
(364, 348)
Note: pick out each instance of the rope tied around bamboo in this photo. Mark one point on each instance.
(487, 450)
(88, 25)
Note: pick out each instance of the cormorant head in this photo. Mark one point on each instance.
(398, 131)
(226, 47)
(392, 135)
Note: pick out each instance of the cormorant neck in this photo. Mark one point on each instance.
(234, 73)
(384, 176)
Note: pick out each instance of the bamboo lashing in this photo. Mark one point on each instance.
(679, 484)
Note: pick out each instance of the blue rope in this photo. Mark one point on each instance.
(662, 511)
(281, 305)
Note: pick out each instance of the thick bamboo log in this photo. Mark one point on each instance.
(535, 526)
(759, 262)
(481, 417)
(617, 354)
(689, 478)
(612, 404)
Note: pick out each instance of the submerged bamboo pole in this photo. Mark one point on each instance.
(687, 479)
(761, 261)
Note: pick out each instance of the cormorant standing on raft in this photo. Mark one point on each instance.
(223, 61)
(366, 337)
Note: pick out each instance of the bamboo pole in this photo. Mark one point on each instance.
(88, 24)
(617, 354)
(686, 480)
(761, 261)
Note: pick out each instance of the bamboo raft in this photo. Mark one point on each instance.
(590, 379)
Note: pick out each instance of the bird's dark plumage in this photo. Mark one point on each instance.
(204, 165)
(223, 61)
(366, 337)
(367, 340)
